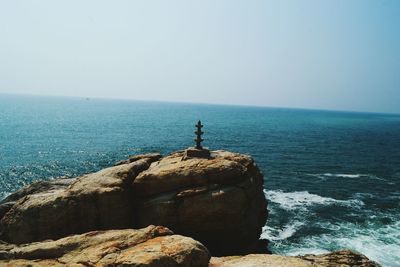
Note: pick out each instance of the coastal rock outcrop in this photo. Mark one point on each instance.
(343, 258)
(340, 258)
(38, 187)
(150, 246)
(217, 200)
(96, 201)
(33, 188)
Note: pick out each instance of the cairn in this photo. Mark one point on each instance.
(198, 151)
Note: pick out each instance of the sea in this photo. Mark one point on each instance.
(332, 178)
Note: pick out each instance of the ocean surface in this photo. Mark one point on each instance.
(332, 178)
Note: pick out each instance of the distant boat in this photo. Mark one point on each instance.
(87, 98)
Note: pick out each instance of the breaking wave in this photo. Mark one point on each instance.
(298, 231)
(377, 242)
(343, 175)
(302, 199)
(287, 231)
(346, 176)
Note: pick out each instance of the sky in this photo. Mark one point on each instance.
(341, 55)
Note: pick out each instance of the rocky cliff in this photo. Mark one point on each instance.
(217, 200)
(106, 218)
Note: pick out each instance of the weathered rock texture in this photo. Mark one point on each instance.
(38, 187)
(340, 258)
(151, 246)
(33, 188)
(344, 258)
(258, 260)
(96, 201)
(218, 201)
(150, 156)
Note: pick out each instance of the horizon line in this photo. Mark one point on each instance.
(197, 103)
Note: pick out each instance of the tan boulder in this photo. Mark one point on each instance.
(340, 258)
(218, 200)
(38, 187)
(95, 201)
(150, 246)
(33, 188)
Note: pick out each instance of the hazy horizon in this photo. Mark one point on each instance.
(335, 55)
(194, 103)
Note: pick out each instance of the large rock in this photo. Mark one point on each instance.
(340, 258)
(218, 200)
(33, 188)
(152, 246)
(344, 258)
(39, 187)
(95, 201)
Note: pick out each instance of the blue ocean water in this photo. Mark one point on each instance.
(332, 178)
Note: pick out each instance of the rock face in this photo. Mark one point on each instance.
(34, 188)
(257, 260)
(340, 258)
(151, 246)
(344, 258)
(218, 201)
(95, 201)
(150, 156)
(38, 187)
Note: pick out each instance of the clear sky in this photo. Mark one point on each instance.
(338, 54)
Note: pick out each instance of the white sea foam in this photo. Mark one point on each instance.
(332, 175)
(359, 195)
(3, 196)
(346, 176)
(342, 175)
(303, 199)
(287, 231)
(379, 244)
